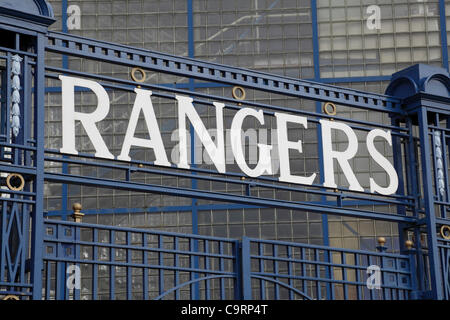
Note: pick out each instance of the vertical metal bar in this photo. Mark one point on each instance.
(246, 269)
(435, 274)
(290, 271)
(65, 65)
(316, 60)
(413, 274)
(129, 271)
(191, 266)
(261, 269)
(304, 284)
(207, 267)
(191, 54)
(95, 265)
(160, 265)
(358, 278)
(176, 271)
(398, 165)
(38, 223)
(344, 275)
(237, 269)
(221, 268)
(317, 271)
(112, 269)
(145, 263)
(443, 29)
(77, 236)
(48, 278)
(276, 270)
(330, 276)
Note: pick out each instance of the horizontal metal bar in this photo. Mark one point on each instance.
(23, 53)
(331, 249)
(187, 67)
(202, 207)
(135, 248)
(157, 209)
(328, 264)
(15, 284)
(327, 280)
(17, 169)
(135, 265)
(135, 230)
(253, 183)
(208, 195)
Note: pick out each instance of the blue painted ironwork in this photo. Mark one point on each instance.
(444, 254)
(284, 270)
(136, 263)
(130, 263)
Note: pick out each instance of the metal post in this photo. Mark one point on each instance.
(38, 219)
(433, 254)
(246, 281)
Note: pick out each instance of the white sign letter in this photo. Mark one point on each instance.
(342, 157)
(87, 120)
(264, 164)
(284, 145)
(216, 153)
(144, 102)
(383, 162)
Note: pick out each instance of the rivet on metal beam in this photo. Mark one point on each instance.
(445, 232)
(15, 181)
(236, 95)
(77, 214)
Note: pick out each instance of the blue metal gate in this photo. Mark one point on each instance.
(126, 263)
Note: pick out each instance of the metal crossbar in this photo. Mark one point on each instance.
(187, 67)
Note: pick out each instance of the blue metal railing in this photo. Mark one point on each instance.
(126, 263)
(284, 270)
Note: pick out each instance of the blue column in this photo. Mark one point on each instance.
(443, 27)
(65, 65)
